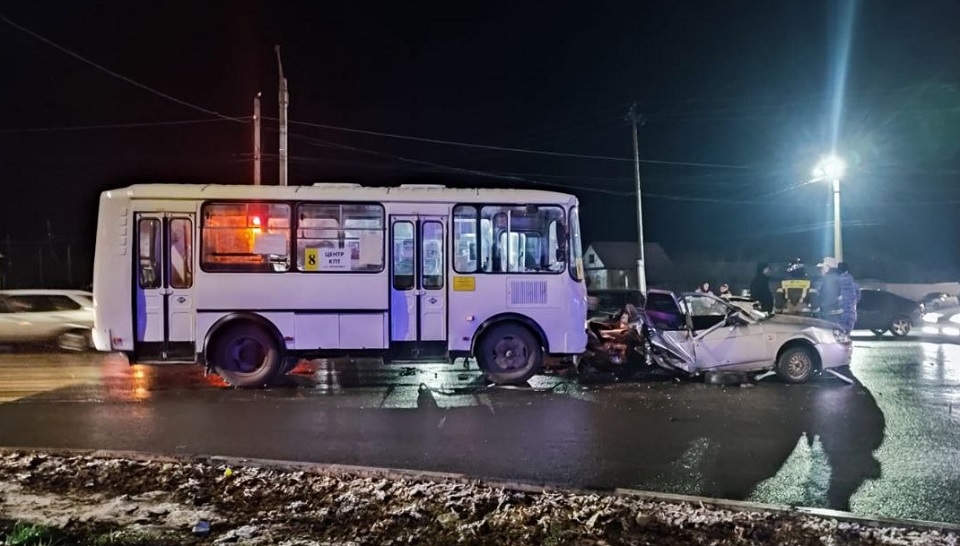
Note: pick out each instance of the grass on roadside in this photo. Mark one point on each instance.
(29, 534)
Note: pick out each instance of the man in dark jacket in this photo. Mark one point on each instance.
(830, 290)
(760, 287)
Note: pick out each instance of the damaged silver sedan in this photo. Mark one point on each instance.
(699, 333)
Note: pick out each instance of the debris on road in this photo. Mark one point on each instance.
(195, 501)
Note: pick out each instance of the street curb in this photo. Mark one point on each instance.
(510, 485)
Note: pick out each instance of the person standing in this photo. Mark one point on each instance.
(849, 297)
(704, 289)
(830, 290)
(760, 287)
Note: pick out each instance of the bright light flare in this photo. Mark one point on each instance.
(830, 168)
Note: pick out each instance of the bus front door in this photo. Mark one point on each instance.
(165, 323)
(418, 291)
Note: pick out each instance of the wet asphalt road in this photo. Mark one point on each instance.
(889, 446)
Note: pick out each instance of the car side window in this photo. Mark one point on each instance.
(663, 312)
(869, 298)
(29, 304)
(63, 303)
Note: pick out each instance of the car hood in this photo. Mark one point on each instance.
(796, 320)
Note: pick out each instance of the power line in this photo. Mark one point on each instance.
(117, 75)
(486, 174)
(510, 149)
(132, 125)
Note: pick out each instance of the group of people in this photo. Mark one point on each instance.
(724, 290)
(838, 293)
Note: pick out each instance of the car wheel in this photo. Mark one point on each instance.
(509, 354)
(796, 365)
(878, 332)
(900, 326)
(74, 340)
(246, 356)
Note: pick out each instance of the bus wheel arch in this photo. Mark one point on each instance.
(509, 348)
(245, 349)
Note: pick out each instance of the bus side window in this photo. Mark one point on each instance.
(149, 259)
(181, 253)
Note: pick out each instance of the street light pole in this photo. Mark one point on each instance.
(641, 267)
(284, 103)
(832, 168)
(837, 229)
(256, 140)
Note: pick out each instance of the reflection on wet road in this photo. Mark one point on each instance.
(888, 446)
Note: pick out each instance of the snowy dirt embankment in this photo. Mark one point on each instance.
(251, 504)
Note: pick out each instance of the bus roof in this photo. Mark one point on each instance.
(340, 191)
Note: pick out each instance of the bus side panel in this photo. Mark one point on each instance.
(319, 311)
(551, 301)
(112, 274)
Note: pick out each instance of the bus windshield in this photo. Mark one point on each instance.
(575, 256)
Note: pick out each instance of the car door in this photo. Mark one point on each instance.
(723, 337)
(870, 311)
(668, 328)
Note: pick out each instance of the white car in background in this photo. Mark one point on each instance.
(60, 317)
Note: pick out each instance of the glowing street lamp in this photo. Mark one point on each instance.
(832, 168)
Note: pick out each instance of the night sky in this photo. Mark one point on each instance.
(739, 100)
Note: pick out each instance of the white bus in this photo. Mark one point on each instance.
(248, 279)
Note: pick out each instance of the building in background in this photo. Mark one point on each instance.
(613, 264)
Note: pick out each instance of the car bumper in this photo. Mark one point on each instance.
(834, 355)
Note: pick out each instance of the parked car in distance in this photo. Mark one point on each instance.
(604, 302)
(880, 311)
(61, 317)
(942, 324)
(939, 300)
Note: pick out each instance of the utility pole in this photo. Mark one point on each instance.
(634, 118)
(256, 140)
(284, 103)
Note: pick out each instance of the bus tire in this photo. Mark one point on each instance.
(245, 355)
(509, 353)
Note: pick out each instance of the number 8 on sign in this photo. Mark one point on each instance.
(311, 259)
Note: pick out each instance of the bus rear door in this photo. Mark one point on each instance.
(164, 294)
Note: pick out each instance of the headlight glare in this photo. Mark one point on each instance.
(932, 318)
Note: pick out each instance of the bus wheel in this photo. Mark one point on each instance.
(509, 354)
(246, 356)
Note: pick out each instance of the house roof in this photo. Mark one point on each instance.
(623, 254)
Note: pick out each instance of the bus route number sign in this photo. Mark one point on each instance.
(326, 259)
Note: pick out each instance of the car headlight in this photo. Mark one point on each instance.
(955, 319)
(932, 318)
(841, 336)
